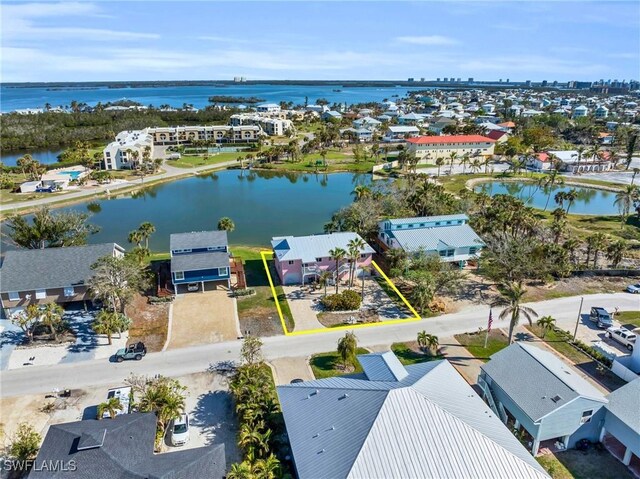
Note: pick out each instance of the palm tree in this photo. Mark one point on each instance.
(439, 163)
(323, 279)
(596, 243)
(361, 191)
(427, 342)
(422, 293)
(136, 237)
(338, 255)
(268, 468)
(147, 229)
(110, 322)
(243, 470)
(552, 179)
(512, 294)
(635, 172)
(453, 157)
(546, 323)
(463, 161)
(616, 251)
(570, 197)
(111, 406)
(226, 224)
(355, 246)
(51, 316)
(625, 200)
(347, 348)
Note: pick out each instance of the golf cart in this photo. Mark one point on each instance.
(132, 351)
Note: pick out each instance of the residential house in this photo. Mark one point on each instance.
(127, 150)
(50, 275)
(367, 122)
(440, 123)
(498, 136)
(448, 236)
(411, 119)
(331, 115)
(199, 259)
(580, 111)
(443, 146)
(601, 112)
(621, 431)
(571, 161)
(358, 134)
(400, 132)
(537, 391)
(417, 421)
(120, 447)
(268, 108)
(300, 259)
(539, 162)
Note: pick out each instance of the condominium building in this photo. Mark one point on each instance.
(127, 149)
(180, 135)
(271, 126)
(443, 146)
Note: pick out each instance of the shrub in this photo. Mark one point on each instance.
(348, 300)
(159, 300)
(243, 292)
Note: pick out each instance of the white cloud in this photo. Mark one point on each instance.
(427, 40)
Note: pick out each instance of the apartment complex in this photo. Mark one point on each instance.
(443, 146)
(270, 125)
(127, 149)
(180, 135)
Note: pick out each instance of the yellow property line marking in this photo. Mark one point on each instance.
(415, 316)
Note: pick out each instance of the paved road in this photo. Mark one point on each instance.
(169, 172)
(194, 359)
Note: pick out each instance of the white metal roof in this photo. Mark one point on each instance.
(308, 248)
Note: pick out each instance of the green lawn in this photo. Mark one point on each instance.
(326, 365)
(574, 464)
(474, 343)
(553, 339)
(408, 356)
(629, 317)
(191, 161)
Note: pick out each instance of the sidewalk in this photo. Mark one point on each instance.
(461, 359)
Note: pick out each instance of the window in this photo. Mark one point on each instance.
(437, 223)
(68, 291)
(290, 262)
(41, 293)
(586, 417)
(421, 225)
(363, 255)
(473, 250)
(14, 296)
(178, 275)
(318, 260)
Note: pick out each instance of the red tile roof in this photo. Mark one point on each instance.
(438, 140)
(507, 124)
(496, 134)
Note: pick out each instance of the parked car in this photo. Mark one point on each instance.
(180, 431)
(133, 351)
(633, 288)
(601, 317)
(191, 287)
(623, 336)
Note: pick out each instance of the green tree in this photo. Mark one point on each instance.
(616, 251)
(111, 406)
(439, 163)
(347, 348)
(24, 446)
(338, 254)
(625, 200)
(147, 229)
(354, 246)
(110, 323)
(51, 317)
(136, 237)
(422, 293)
(546, 323)
(428, 342)
(226, 224)
(251, 352)
(49, 230)
(116, 279)
(27, 320)
(511, 296)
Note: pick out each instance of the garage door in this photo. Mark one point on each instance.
(293, 278)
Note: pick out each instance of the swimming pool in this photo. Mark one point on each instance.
(73, 174)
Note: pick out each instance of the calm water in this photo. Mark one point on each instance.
(17, 98)
(590, 201)
(46, 157)
(262, 205)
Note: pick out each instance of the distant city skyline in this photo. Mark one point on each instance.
(146, 41)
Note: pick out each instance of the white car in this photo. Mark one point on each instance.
(633, 288)
(622, 336)
(180, 431)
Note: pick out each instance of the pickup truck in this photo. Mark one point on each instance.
(622, 336)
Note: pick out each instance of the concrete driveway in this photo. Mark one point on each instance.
(304, 305)
(589, 333)
(287, 369)
(202, 318)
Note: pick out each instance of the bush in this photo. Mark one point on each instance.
(243, 292)
(348, 300)
(159, 300)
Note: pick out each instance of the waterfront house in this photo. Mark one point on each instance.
(268, 108)
(571, 161)
(120, 447)
(417, 421)
(301, 259)
(50, 275)
(533, 389)
(621, 431)
(539, 162)
(448, 236)
(199, 259)
(443, 146)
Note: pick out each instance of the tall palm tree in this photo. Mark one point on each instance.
(552, 179)
(616, 251)
(323, 279)
(570, 197)
(464, 161)
(635, 173)
(361, 191)
(453, 157)
(625, 199)
(147, 229)
(596, 243)
(439, 163)
(111, 406)
(511, 295)
(355, 246)
(546, 323)
(226, 224)
(136, 237)
(338, 255)
(51, 316)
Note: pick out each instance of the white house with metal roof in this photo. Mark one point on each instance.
(299, 259)
(537, 391)
(621, 430)
(448, 236)
(395, 421)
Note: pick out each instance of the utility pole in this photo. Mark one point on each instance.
(575, 332)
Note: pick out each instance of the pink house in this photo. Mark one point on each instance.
(301, 259)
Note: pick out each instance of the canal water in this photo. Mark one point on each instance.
(46, 157)
(589, 201)
(261, 204)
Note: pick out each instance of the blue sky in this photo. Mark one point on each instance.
(179, 40)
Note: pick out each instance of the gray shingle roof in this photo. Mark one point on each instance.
(308, 248)
(437, 238)
(429, 424)
(624, 403)
(126, 453)
(199, 261)
(197, 239)
(533, 377)
(27, 270)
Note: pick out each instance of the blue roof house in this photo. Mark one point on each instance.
(199, 259)
(448, 236)
(621, 431)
